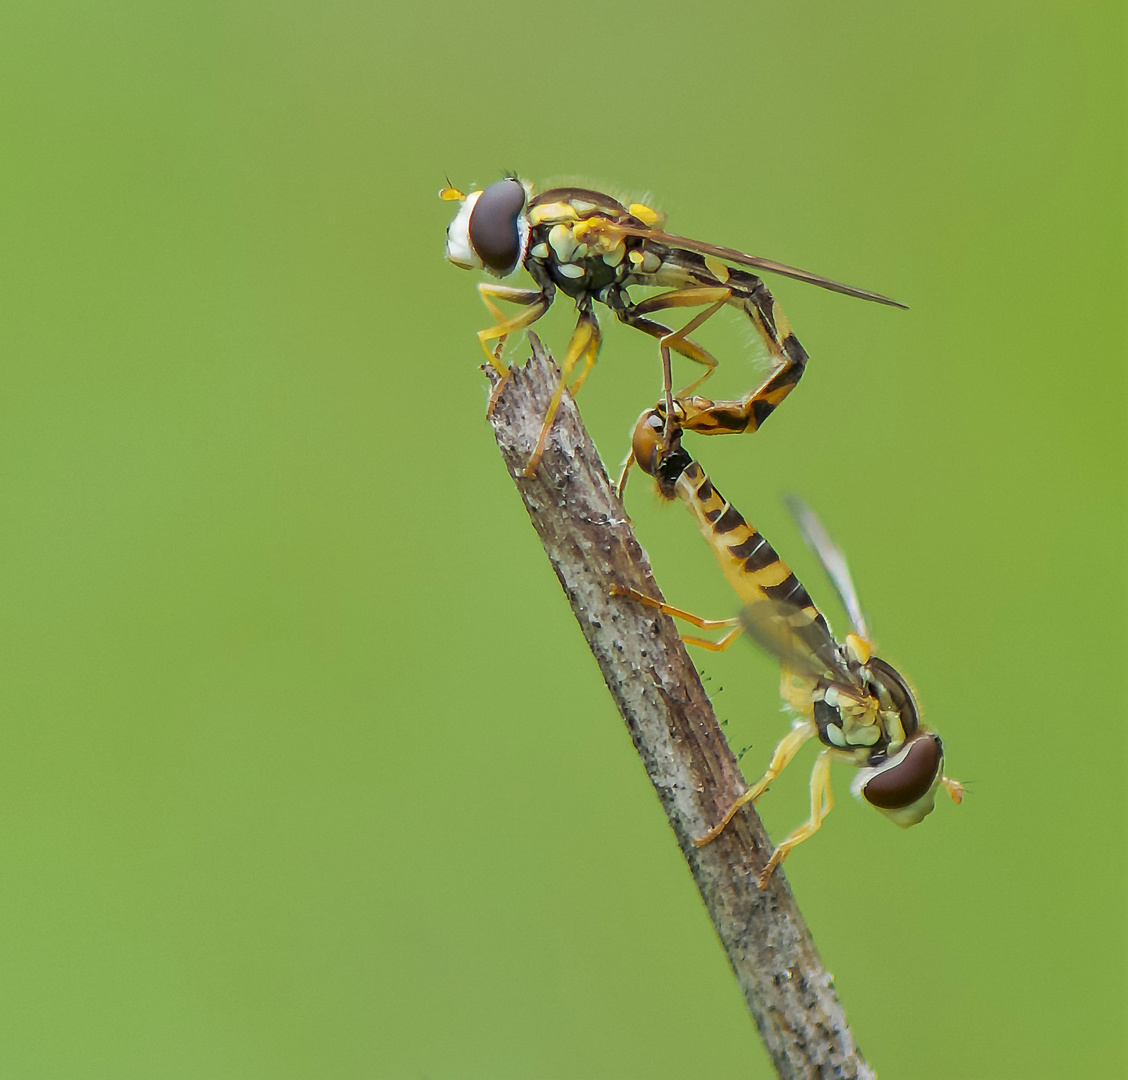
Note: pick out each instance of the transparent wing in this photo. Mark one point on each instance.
(757, 263)
(832, 559)
(787, 632)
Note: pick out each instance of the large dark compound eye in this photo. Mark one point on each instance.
(493, 225)
(899, 694)
(910, 778)
(665, 463)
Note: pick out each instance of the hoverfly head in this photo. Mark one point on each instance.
(490, 231)
(903, 785)
(663, 460)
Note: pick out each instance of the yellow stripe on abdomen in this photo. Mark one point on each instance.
(749, 562)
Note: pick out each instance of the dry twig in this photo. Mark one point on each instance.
(590, 543)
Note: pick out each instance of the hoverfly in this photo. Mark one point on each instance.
(593, 248)
(857, 705)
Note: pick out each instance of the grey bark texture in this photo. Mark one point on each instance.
(590, 543)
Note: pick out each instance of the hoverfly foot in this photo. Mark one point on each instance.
(766, 874)
(711, 835)
(496, 392)
(535, 457)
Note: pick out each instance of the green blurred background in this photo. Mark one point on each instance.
(306, 768)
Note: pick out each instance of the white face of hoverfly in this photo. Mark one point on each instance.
(490, 231)
(903, 787)
(458, 249)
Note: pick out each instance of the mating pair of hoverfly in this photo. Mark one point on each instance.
(594, 249)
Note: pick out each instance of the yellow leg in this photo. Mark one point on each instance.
(696, 620)
(585, 343)
(689, 349)
(624, 472)
(537, 304)
(678, 340)
(716, 298)
(784, 752)
(720, 644)
(589, 360)
(822, 802)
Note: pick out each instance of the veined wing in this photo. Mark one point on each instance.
(788, 633)
(833, 561)
(741, 258)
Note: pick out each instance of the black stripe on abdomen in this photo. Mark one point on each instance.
(755, 552)
(788, 591)
(729, 520)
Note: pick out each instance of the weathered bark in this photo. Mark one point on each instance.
(589, 541)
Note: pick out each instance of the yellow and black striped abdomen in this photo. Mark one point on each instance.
(756, 573)
(749, 562)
